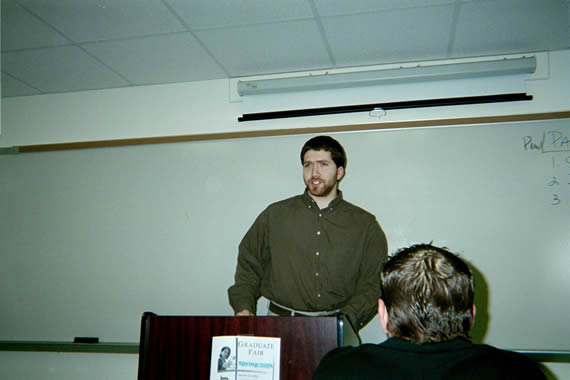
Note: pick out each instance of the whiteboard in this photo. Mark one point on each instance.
(93, 238)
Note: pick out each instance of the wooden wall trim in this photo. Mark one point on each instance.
(543, 356)
(285, 132)
(41, 346)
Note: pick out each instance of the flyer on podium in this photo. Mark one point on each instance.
(240, 357)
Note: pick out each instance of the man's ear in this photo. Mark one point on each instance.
(339, 173)
(473, 312)
(383, 314)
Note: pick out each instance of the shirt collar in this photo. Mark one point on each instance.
(406, 345)
(334, 203)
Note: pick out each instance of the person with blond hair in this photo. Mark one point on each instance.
(426, 310)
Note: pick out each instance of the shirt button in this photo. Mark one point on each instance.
(318, 232)
(317, 274)
(309, 206)
(317, 253)
(320, 214)
(319, 295)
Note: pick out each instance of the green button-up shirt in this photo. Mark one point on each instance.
(310, 259)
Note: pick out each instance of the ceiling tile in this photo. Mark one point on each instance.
(159, 59)
(269, 48)
(129, 40)
(343, 7)
(96, 20)
(21, 30)
(510, 26)
(60, 69)
(391, 36)
(13, 87)
(224, 13)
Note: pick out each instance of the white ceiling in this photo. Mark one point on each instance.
(54, 46)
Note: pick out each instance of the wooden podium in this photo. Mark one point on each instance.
(179, 347)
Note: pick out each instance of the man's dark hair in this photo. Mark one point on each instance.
(428, 293)
(328, 144)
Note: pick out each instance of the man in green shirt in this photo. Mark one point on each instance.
(314, 253)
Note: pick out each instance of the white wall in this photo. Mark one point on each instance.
(197, 108)
(213, 107)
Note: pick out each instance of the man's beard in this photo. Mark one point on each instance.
(322, 189)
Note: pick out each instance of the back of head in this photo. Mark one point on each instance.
(328, 144)
(428, 293)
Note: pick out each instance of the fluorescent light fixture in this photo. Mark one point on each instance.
(526, 65)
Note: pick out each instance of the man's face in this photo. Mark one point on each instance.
(320, 173)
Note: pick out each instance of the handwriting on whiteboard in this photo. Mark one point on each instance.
(558, 180)
(549, 142)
